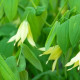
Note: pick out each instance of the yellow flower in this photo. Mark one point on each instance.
(23, 32)
(75, 60)
(55, 52)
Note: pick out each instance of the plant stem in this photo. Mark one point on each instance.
(67, 57)
(57, 68)
(19, 57)
(58, 13)
(33, 4)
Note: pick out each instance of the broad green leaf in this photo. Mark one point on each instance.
(6, 71)
(1, 78)
(10, 8)
(44, 3)
(22, 64)
(30, 56)
(1, 9)
(11, 61)
(36, 22)
(7, 29)
(24, 75)
(6, 49)
(63, 36)
(75, 4)
(74, 30)
(51, 35)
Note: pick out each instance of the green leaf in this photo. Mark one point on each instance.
(7, 29)
(6, 71)
(74, 30)
(44, 3)
(1, 78)
(30, 56)
(63, 36)
(51, 35)
(24, 75)
(10, 8)
(1, 9)
(6, 49)
(22, 64)
(75, 4)
(11, 61)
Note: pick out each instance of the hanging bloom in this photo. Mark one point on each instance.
(75, 60)
(55, 52)
(23, 32)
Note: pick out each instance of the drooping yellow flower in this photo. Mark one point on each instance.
(55, 52)
(23, 32)
(75, 60)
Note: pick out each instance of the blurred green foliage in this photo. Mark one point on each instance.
(52, 22)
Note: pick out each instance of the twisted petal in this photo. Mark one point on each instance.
(19, 43)
(56, 53)
(30, 37)
(75, 64)
(24, 30)
(48, 51)
(54, 65)
(74, 60)
(42, 49)
(18, 34)
(12, 38)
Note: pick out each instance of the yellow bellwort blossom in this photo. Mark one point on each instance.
(23, 32)
(55, 52)
(75, 60)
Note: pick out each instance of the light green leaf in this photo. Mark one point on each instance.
(1, 9)
(22, 64)
(51, 35)
(44, 3)
(30, 56)
(74, 30)
(63, 36)
(6, 71)
(11, 61)
(10, 8)
(7, 29)
(24, 75)
(6, 49)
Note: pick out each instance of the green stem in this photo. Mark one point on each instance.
(67, 57)
(33, 4)
(57, 68)
(58, 13)
(19, 55)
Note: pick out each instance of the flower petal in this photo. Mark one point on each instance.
(24, 30)
(42, 49)
(30, 37)
(54, 65)
(48, 51)
(73, 60)
(75, 64)
(18, 34)
(19, 43)
(12, 38)
(56, 53)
